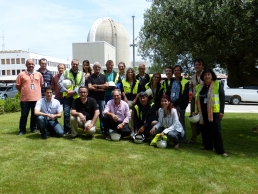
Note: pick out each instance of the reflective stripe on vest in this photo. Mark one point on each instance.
(138, 112)
(75, 83)
(127, 87)
(215, 97)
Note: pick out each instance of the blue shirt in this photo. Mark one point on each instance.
(52, 107)
(175, 90)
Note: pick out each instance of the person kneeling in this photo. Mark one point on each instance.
(116, 115)
(48, 110)
(84, 113)
(168, 123)
(144, 115)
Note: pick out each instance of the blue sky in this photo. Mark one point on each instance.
(49, 27)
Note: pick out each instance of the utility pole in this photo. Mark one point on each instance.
(133, 45)
(3, 45)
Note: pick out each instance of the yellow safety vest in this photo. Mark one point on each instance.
(215, 97)
(75, 82)
(127, 87)
(138, 111)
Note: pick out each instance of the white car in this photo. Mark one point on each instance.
(241, 94)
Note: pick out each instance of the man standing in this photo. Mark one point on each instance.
(198, 66)
(111, 76)
(179, 94)
(143, 77)
(97, 85)
(143, 115)
(28, 83)
(167, 82)
(54, 83)
(48, 110)
(77, 79)
(121, 67)
(47, 75)
(117, 115)
(84, 113)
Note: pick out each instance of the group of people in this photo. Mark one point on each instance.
(156, 107)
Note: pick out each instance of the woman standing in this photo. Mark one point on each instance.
(210, 103)
(156, 89)
(130, 87)
(168, 122)
(87, 70)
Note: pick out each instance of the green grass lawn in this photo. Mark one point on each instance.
(31, 165)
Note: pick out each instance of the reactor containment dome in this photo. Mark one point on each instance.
(114, 33)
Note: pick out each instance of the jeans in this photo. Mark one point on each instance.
(67, 104)
(53, 127)
(108, 98)
(26, 107)
(101, 104)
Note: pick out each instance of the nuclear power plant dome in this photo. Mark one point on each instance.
(114, 33)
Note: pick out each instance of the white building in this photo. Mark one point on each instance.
(99, 51)
(12, 62)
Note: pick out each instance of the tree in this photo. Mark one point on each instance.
(222, 32)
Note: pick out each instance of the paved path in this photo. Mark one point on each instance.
(241, 108)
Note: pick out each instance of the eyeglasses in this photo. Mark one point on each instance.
(82, 92)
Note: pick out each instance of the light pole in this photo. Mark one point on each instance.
(133, 45)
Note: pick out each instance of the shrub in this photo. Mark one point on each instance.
(11, 105)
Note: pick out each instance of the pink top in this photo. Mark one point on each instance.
(121, 111)
(55, 86)
(30, 85)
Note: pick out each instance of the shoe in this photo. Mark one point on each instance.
(176, 146)
(107, 137)
(21, 133)
(34, 131)
(43, 138)
(67, 133)
(191, 142)
(225, 155)
(73, 137)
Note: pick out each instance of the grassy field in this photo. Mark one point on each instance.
(31, 165)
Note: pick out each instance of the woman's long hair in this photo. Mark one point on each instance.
(152, 79)
(89, 69)
(170, 106)
(130, 69)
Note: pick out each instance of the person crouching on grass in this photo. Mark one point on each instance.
(48, 110)
(84, 113)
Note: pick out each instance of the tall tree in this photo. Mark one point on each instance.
(222, 32)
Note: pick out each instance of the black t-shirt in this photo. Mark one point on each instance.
(99, 80)
(87, 109)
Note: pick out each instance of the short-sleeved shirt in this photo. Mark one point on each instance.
(88, 109)
(99, 80)
(56, 87)
(52, 107)
(47, 77)
(30, 84)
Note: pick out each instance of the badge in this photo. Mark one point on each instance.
(205, 101)
(32, 87)
(45, 84)
(173, 94)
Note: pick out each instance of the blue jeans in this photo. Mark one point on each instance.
(101, 104)
(67, 104)
(53, 127)
(108, 98)
(26, 107)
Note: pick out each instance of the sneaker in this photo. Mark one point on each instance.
(21, 133)
(34, 131)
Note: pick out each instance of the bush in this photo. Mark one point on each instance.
(11, 105)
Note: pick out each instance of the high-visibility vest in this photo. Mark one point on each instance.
(75, 82)
(139, 114)
(215, 97)
(115, 77)
(127, 87)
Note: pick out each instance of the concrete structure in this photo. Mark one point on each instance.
(13, 62)
(114, 33)
(100, 51)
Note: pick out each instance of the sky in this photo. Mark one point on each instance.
(49, 27)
